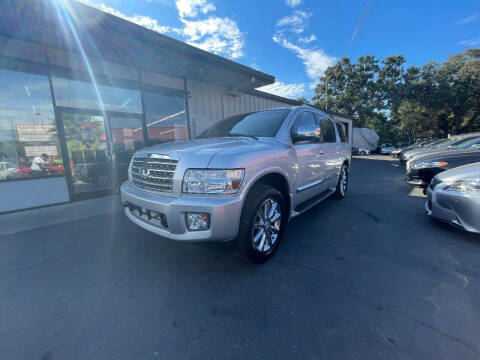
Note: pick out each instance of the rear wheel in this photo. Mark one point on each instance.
(261, 226)
(342, 184)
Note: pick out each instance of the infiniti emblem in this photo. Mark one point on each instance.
(145, 172)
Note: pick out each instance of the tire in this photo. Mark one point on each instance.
(249, 244)
(342, 183)
(363, 153)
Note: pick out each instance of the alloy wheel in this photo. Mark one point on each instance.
(266, 225)
(343, 181)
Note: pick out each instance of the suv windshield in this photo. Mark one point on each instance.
(257, 124)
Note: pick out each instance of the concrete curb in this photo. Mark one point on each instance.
(57, 214)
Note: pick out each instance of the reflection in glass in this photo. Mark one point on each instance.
(78, 94)
(28, 134)
(166, 118)
(127, 133)
(127, 137)
(88, 152)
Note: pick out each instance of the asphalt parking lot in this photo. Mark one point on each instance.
(367, 277)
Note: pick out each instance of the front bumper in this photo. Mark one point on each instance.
(458, 209)
(421, 177)
(224, 211)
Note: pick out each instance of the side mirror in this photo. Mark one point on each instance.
(306, 133)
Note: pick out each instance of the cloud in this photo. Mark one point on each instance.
(286, 90)
(297, 22)
(145, 21)
(218, 35)
(191, 8)
(293, 3)
(469, 42)
(467, 20)
(316, 61)
(307, 39)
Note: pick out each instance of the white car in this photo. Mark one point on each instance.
(363, 151)
(6, 168)
(387, 149)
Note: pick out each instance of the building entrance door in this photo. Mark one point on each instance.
(99, 148)
(89, 154)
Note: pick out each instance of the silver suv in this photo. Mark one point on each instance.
(244, 178)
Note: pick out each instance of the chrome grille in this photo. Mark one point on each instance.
(152, 173)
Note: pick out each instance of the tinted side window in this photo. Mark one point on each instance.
(328, 131)
(302, 119)
(341, 132)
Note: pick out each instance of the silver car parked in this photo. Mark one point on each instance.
(454, 196)
(242, 179)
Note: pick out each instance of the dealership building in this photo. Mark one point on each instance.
(88, 89)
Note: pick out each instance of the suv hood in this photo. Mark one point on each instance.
(199, 151)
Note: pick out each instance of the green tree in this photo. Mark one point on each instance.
(302, 99)
(431, 100)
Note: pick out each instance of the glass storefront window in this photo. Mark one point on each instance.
(127, 133)
(88, 152)
(29, 145)
(82, 95)
(166, 118)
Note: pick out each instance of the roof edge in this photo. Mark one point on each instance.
(273, 97)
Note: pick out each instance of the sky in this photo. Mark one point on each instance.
(296, 40)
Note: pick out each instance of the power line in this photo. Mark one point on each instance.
(365, 11)
(367, 22)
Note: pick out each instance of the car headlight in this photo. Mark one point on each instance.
(465, 186)
(212, 181)
(428, 164)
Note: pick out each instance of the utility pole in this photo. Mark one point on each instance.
(326, 92)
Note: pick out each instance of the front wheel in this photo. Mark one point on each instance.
(263, 219)
(342, 183)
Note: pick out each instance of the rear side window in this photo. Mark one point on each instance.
(341, 132)
(302, 119)
(328, 131)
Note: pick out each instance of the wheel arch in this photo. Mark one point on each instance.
(278, 181)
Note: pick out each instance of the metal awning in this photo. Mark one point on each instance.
(110, 38)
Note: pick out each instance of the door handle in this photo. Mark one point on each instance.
(320, 152)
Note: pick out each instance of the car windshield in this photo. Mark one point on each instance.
(463, 141)
(438, 144)
(257, 124)
(451, 143)
(431, 143)
(471, 144)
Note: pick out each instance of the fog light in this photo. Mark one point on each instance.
(198, 221)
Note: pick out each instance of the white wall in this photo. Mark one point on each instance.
(208, 104)
(22, 194)
(204, 105)
(243, 103)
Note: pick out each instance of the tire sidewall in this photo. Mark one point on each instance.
(338, 193)
(254, 199)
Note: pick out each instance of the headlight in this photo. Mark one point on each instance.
(212, 181)
(428, 164)
(465, 186)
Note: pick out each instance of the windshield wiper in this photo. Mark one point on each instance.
(236, 134)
